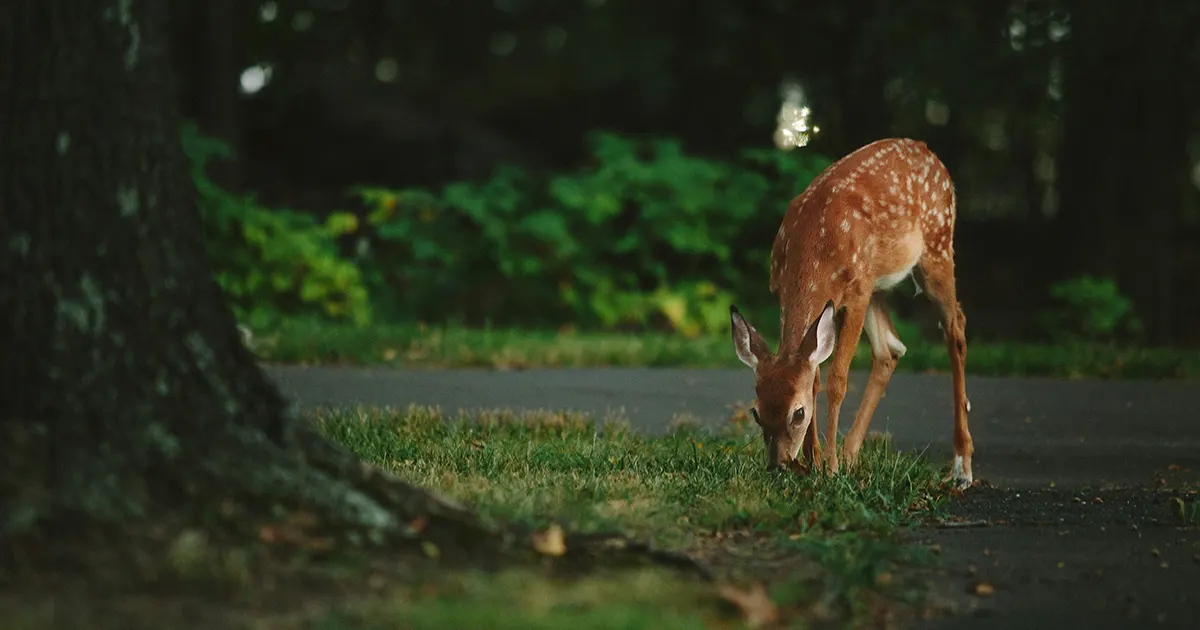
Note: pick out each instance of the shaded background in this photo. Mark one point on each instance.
(1072, 128)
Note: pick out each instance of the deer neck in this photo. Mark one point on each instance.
(797, 314)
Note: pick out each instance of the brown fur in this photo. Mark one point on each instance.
(862, 226)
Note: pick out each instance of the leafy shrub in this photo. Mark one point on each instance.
(645, 236)
(1090, 308)
(272, 263)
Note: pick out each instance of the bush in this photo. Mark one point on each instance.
(273, 263)
(646, 236)
(1090, 309)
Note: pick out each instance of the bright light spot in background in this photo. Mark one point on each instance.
(255, 78)
(553, 38)
(995, 134)
(1058, 31)
(936, 112)
(792, 129)
(268, 12)
(303, 20)
(1016, 34)
(387, 69)
(502, 44)
(1054, 85)
(1045, 168)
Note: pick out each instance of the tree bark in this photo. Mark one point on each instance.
(129, 391)
(130, 395)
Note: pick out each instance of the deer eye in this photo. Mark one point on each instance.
(798, 415)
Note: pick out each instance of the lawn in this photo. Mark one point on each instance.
(732, 545)
(822, 547)
(411, 346)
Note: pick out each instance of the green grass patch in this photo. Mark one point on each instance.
(820, 542)
(411, 346)
(522, 600)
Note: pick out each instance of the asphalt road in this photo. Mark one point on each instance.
(1027, 432)
(1075, 511)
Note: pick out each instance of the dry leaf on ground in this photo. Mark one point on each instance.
(983, 589)
(550, 542)
(754, 603)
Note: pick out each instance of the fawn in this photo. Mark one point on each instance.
(859, 229)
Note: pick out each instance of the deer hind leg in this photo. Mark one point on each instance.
(835, 383)
(886, 350)
(940, 287)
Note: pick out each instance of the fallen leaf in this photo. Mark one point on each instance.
(983, 589)
(1176, 468)
(268, 533)
(550, 542)
(316, 544)
(756, 607)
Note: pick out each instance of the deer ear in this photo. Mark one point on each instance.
(821, 336)
(747, 343)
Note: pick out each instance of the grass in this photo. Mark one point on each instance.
(787, 550)
(412, 346)
(824, 545)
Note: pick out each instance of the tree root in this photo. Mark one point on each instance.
(456, 529)
(332, 495)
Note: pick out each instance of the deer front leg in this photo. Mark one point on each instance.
(839, 368)
(812, 442)
(886, 350)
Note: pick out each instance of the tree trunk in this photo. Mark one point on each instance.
(128, 390)
(129, 395)
(1125, 148)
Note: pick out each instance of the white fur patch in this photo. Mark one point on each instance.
(962, 479)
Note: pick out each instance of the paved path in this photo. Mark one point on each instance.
(1082, 473)
(1028, 432)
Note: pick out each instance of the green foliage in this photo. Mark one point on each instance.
(646, 236)
(1090, 308)
(269, 262)
(409, 345)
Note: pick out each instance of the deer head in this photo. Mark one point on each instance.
(783, 384)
